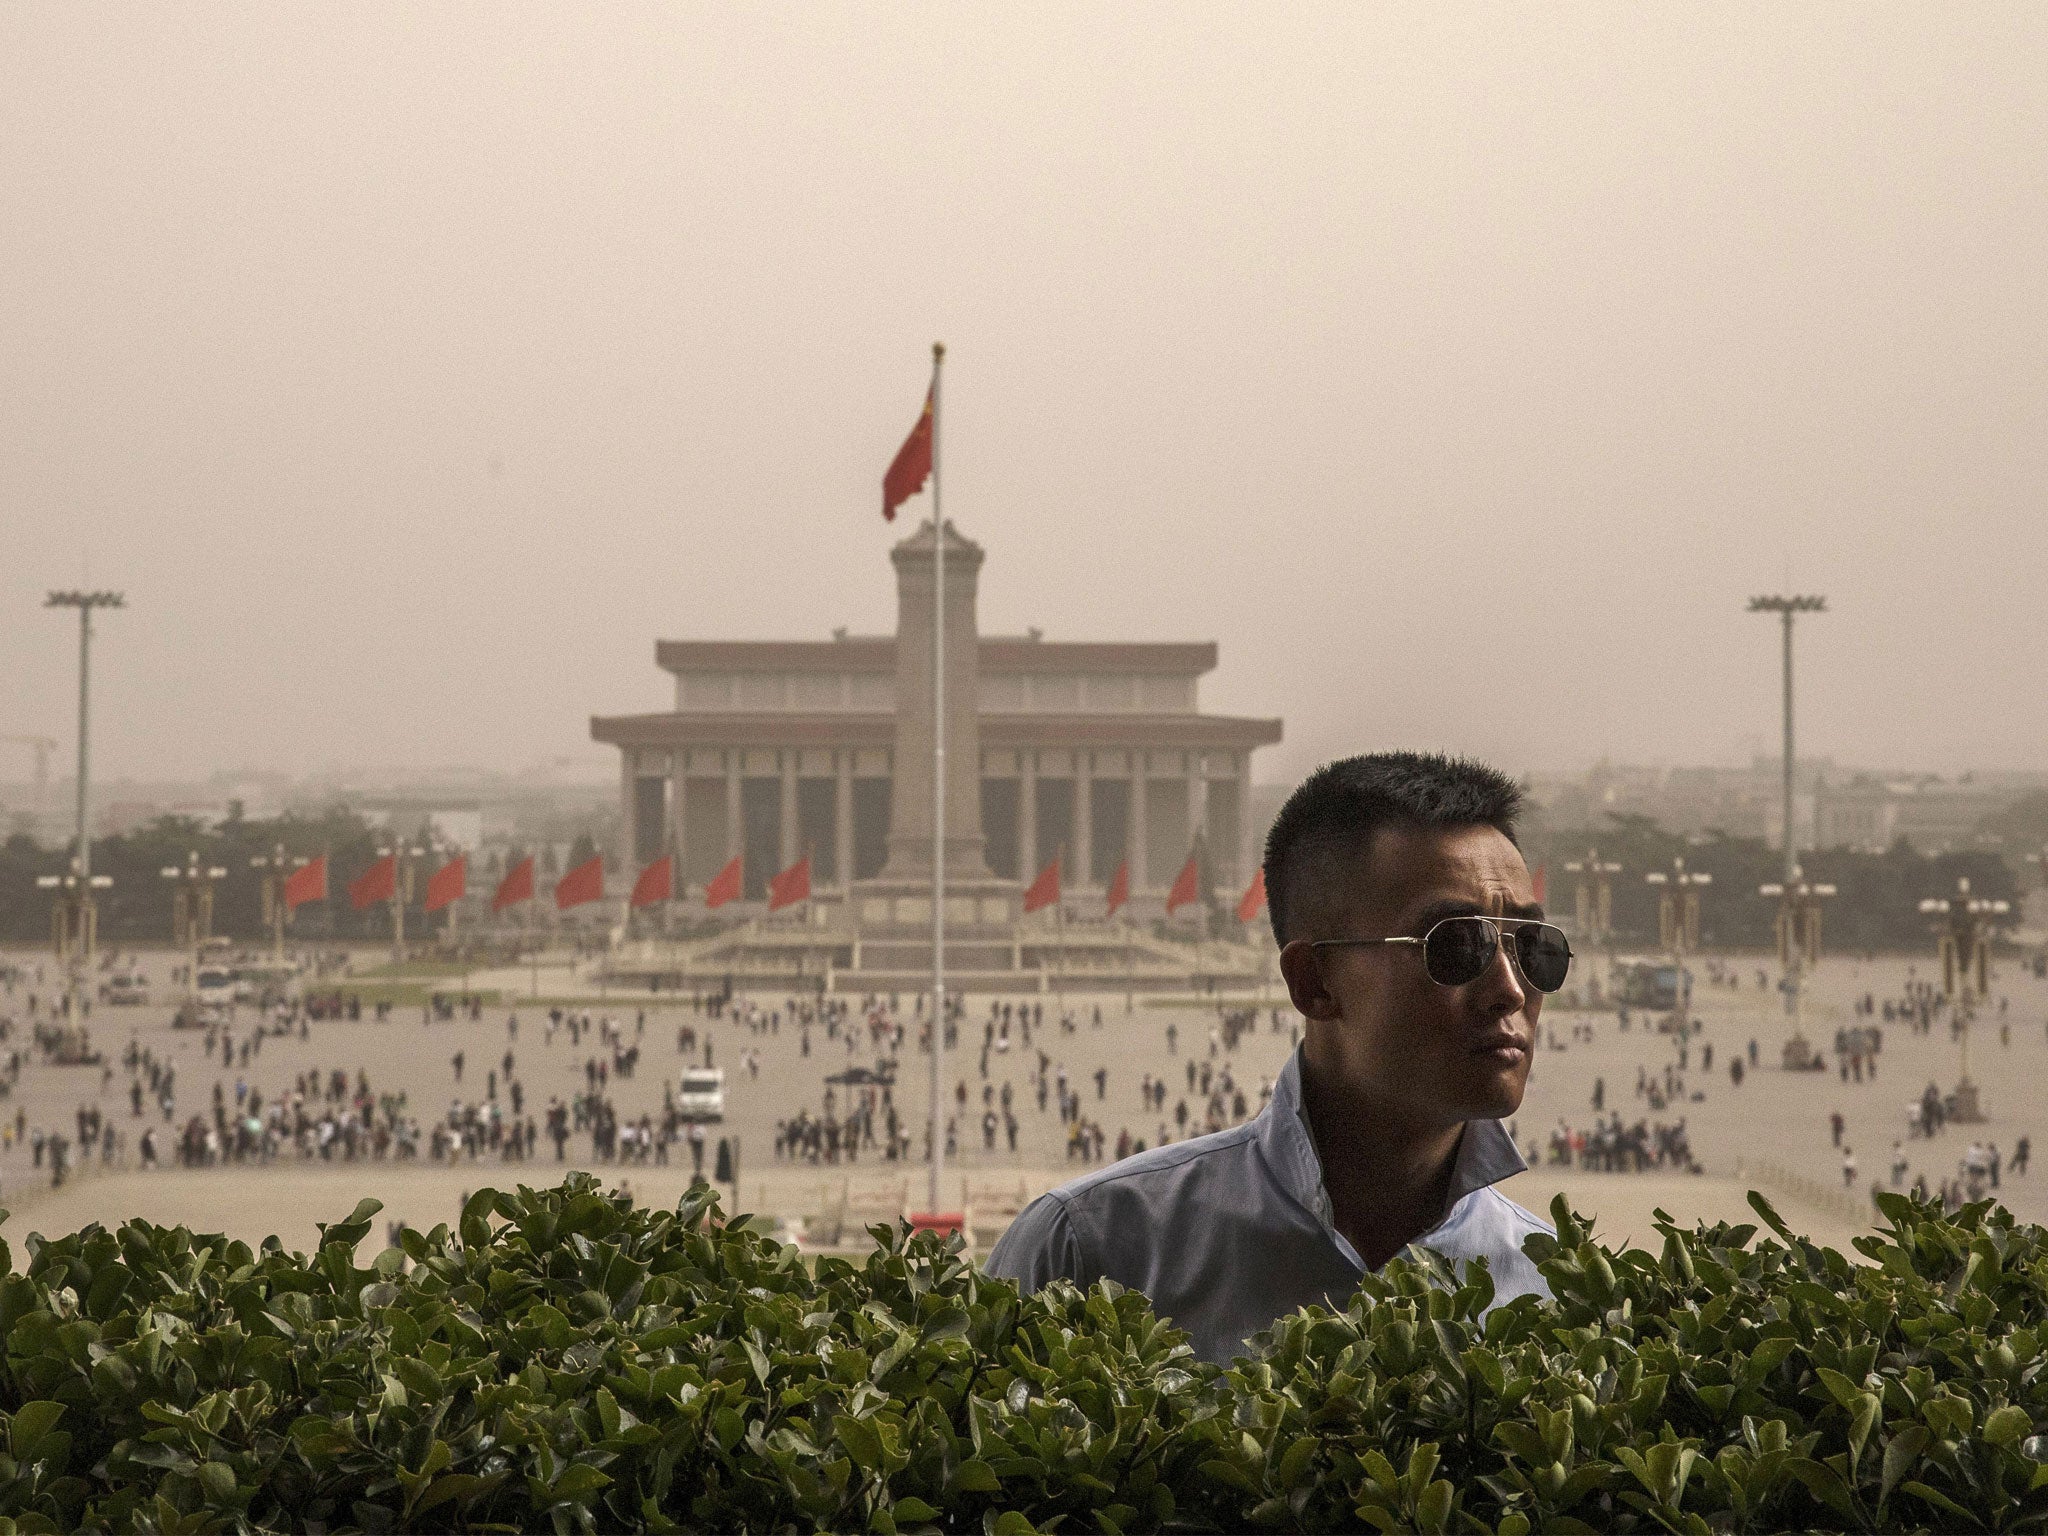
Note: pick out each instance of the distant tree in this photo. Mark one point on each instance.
(2022, 827)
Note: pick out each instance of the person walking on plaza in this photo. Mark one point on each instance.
(1835, 1123)
(1412, 943)
(1848, 1167)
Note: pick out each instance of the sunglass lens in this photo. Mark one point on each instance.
(1458, 950)
(1544, 954)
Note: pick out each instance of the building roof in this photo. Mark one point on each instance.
(998, 654)
(850, 728)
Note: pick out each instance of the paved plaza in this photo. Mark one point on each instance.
(1772, 1132)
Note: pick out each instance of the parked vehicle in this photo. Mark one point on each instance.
(215, 990)
(126, 990)
(700, 1094)
(1648, 984)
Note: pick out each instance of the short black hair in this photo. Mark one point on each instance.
(1336, 810)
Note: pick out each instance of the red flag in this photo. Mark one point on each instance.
(724, 886)
(912, 466)
(1119, 888)
(1253, 899)
(377, 883)
(657, 882)
(583, 883)
(306, 883)
(517, 886)
(1538, 882)
(1045, 890)
(1186, 887)
(449, 883)
(791, 886)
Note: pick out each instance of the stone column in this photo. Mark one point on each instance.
(842, 817)
(629, 832)
(676, 776)
(1247, 835)
(1027, 816)
(734, 833)
(911, 834)
(790, 851)
(1138, 827)
(1084, 822)
(1198, 802)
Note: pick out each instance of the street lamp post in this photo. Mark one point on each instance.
(1595, 896)
(1798, 946)
(402, 854)
(277, 867)
(1964, 939)
(74, 925)
(192, 907)
(87, 924)
(1678, 921)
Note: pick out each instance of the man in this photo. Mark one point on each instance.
(1412, 944)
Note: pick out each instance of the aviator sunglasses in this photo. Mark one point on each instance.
(1457, 950)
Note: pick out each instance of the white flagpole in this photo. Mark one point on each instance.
(938, 801)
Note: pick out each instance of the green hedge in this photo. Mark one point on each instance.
(568, 1362)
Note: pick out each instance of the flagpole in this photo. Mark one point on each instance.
(938, 799)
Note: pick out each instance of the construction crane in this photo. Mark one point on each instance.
(43, 746)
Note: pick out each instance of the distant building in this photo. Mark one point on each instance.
(1932, 814)
(1096, 753)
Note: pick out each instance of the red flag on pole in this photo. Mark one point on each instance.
(1045, 890)
(306, 883)
(377, 883)
(1186, 887)
(791, 886)
(517, 886)
(912, 465)
(724, 886)
(657, 882)
(583, 883)
(1253, 899)
(1119, 888)
(449, 883)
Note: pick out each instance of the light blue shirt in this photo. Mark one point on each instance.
(1228, 1232)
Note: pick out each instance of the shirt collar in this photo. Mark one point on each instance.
(1486, 1153)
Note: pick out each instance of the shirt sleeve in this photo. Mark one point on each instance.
(1040, 1247)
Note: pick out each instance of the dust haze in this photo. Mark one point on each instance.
(1461, 371)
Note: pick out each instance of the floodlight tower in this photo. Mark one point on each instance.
(1789, 608)
(85, 917)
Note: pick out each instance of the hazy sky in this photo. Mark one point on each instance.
(1461, 370)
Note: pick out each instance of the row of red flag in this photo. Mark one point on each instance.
(1185, 890)
(657, 883)
(584, 883)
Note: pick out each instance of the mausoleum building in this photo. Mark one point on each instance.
(1096, 753)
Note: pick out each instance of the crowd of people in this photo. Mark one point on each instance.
(988, 1123)
(1611, 1147)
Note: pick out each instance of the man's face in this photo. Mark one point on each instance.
(1431, 1054)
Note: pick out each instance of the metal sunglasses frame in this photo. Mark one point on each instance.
(1499, 925)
